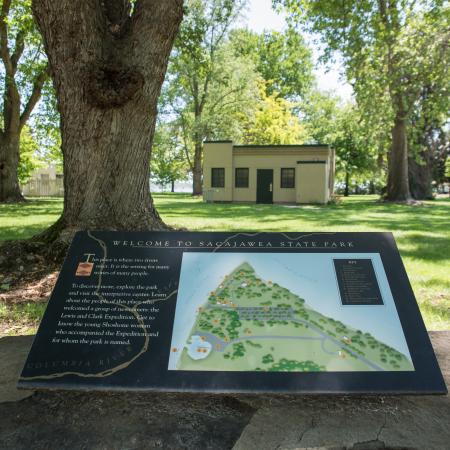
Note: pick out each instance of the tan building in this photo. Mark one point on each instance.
(267, 173)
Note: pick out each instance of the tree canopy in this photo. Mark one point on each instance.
(225, 81)
(282, 59)
(272, 122)
(22, 77)
(391, 52)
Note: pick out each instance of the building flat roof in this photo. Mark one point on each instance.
(264, 145)
(281, 145)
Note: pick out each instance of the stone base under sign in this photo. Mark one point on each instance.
(72, 420)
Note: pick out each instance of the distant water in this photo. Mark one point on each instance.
(180, 186)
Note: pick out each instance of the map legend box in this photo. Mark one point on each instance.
(357, 282)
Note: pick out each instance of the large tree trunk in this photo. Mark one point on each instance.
(197, 171)
(398, 184)
(421, 177)
(9, 164)
(107, 66)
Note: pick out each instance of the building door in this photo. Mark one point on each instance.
(264, 186)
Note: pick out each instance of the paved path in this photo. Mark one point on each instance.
(328, 352)
(341, 345)
(215, 341)
(220, 345)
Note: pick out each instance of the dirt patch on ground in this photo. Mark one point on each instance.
(24, 261)
(27, 278)
(35, 287)
(22, 300)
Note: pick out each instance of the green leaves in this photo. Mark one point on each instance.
(29, 160)
(228, 83)
(389, 48)
(356, 152)
(206, 83)
(168, 162)
(273, 122)
(319, 111)
(24, 42)
(22, 55)
(392, 52)
(282, 59)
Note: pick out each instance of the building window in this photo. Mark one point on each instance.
(241, 178)
(218, 178)
(288, 178)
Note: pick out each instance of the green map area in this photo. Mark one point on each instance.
(248, 324)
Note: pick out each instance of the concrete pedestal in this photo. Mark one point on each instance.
(86, 420)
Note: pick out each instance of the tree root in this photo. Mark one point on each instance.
(49, 247)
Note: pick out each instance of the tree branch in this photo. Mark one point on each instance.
(34, 97)
(205, 89)
(383, 13)
(222, 97)
(231, 102)
(155, 24)
(185, 146)
(214, 45)
(18, 50)
(4, 50)
(11, 98)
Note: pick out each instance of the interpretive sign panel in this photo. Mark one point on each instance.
(240, 312)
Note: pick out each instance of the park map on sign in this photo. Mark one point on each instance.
(250, 324)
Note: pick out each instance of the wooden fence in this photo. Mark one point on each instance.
(43, 188)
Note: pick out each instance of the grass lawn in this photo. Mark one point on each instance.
(22, 221)
(422, 232)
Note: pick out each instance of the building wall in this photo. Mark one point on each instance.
(45, 173)
(312, 181)
(218, 154)
(255, 162)
(314, 186)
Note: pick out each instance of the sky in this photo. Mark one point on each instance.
(260, 16)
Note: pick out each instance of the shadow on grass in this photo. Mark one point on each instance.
(425, 246)
(421, 231)
(21, 221)
(32, 208)
(377, 215)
